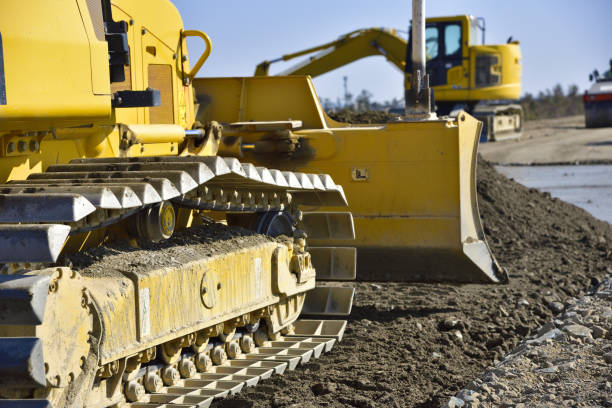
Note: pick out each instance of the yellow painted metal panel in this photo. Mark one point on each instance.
(138, 310)
(91, 14)
(240, 99)
(53, 44)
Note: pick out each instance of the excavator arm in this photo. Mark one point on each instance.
(348, 48)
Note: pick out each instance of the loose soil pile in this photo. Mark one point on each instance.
(416, 345)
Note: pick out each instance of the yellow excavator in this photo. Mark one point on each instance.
(143, 265)
(465, 72)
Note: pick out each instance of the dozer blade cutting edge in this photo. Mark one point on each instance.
(411, 185)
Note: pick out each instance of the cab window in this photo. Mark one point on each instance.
(431, 42)
(452, 40)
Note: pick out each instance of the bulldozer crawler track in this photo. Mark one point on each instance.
(308, 340)
(99, 198)
(88, 194)
(274, 357)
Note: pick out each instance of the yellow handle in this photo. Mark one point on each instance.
(196, 33)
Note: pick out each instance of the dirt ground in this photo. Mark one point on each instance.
(415, 345)
(563, 140)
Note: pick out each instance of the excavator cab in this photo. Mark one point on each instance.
(468, 75)
(443, 50)
(464, 71)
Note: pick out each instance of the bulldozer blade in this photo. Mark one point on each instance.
(334, 263)
(331, 301)
(410, 185)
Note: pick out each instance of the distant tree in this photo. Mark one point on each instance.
(327, 104)
(572, 90)
(557, 92)
(549, 103)
(363, 101)
(553, 103)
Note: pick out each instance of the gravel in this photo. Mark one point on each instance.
(554, 369)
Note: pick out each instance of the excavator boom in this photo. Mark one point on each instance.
(347, 48)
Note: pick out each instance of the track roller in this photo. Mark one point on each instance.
(170, 376)
(233, 350)
(203, 362)
(134, 391)
(218, 355)
(247, 344)
(187, 368)
(156, 223)
(153, 382)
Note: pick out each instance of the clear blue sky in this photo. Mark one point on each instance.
(561, 40)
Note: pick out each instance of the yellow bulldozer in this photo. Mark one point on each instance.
(465, 72)
(144, 265)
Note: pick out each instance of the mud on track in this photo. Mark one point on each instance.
(415, 345)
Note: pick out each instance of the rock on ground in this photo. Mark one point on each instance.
(563, 367)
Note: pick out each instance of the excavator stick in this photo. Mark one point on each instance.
(411, 186)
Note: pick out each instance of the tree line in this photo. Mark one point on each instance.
(550, 103)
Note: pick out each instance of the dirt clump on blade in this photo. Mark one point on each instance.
(416, 345)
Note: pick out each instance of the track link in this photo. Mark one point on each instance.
(310, 339)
